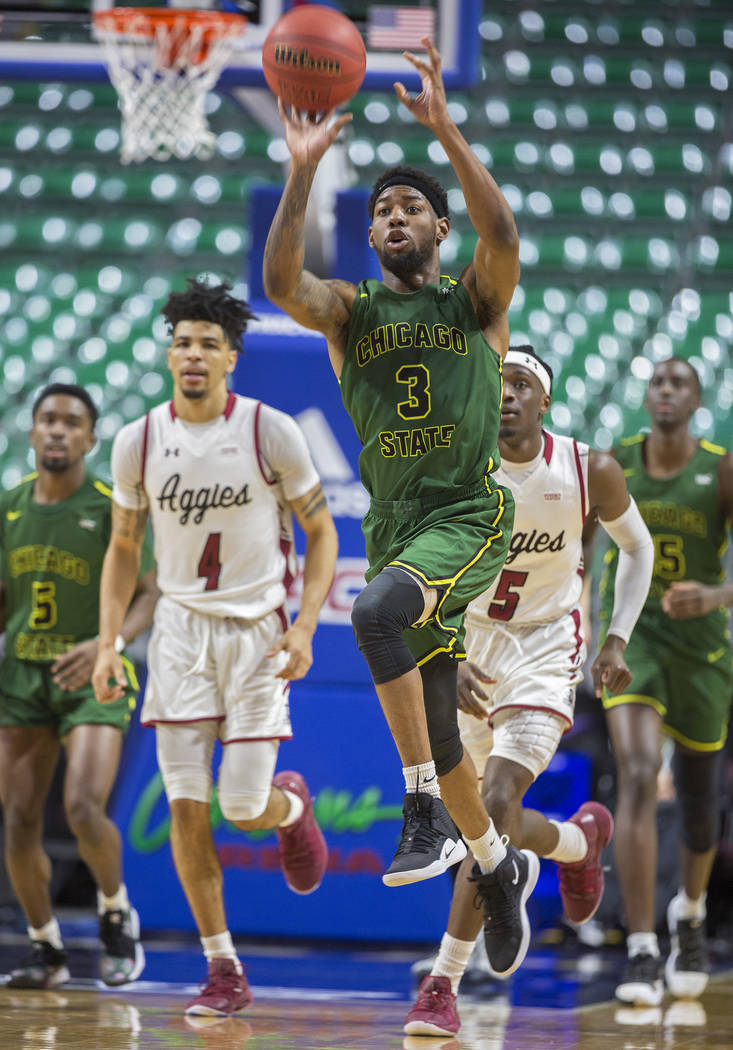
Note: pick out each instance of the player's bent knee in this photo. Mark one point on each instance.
(447, 755)
(381, 612)
(244, 807)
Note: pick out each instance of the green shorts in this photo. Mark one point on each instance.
(455, 541)
(692, 691)
(29, 698)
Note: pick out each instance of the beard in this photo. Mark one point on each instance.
(406, 263)
(55, 466)
(194, 395)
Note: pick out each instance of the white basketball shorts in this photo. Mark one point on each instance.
(210, 667)
(531, 704)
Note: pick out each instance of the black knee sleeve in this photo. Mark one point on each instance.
(440, 690)
(386, 607)
(697, 782)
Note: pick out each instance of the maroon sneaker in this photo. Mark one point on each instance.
(301, 846)
(581, 882)
(435, 1012)
(225, 992)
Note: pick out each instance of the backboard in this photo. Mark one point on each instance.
(53, 39)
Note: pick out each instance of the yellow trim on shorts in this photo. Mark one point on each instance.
(695, 745)
(633, 698)
(131, 678)
(450, 581)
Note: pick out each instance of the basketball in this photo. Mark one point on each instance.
(314, 58)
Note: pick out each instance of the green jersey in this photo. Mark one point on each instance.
(689, 531)
(423, 389)
(51, 562)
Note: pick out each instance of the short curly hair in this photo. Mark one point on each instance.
(410, 173)
(209, 302)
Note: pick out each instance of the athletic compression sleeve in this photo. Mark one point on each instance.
(634, 572)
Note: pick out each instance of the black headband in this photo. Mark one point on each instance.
(417, 184)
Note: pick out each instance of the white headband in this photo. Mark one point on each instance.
(518, 357)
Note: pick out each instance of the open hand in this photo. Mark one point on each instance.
(430, 106)
(109, 678)
(297, 643)
(470, 690)
(308, 136)
(73, 669)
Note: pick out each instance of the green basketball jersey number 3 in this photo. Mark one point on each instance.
(423, 389)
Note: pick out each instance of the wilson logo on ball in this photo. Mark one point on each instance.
(301, 58)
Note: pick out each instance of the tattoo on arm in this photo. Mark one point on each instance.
(129, 524)
(314, 502)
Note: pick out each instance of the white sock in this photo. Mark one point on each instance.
(489, 850)
(50, 933)
(642, 944)
(572, 845)
(119, 901)
(452, 960)
(297, 807)
(687, 908)
(421, 778)
(220, 946)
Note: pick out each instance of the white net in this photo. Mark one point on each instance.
(162, 63)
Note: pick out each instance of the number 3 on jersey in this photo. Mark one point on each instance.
(210, 563)
(417, 380)
(505, 600)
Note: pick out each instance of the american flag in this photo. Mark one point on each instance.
(397, 28)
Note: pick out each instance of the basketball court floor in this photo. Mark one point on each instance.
(352, 998)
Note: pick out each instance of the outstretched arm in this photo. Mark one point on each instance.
(321, 549)
(493, 275)
(314, 303)
(619, 516)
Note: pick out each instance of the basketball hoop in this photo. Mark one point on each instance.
(162, 61)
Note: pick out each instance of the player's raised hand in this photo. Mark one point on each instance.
(430, 106)
(609, 668)
(108, 678)
(297, 643)
(471, 691)
(73, 669)
(309, 137)
(688, 599)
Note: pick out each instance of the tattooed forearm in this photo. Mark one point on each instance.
(129, 524)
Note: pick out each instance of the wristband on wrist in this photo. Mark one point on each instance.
(120, 643)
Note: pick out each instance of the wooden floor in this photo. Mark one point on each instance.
(312, 999)
(84, 1019)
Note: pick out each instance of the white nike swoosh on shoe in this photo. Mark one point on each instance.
(515, 880)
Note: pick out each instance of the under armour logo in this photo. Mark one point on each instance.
(171, 452)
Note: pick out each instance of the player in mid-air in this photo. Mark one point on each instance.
(682, 666)
(418, 357)
(54, 528)
(219, 475)
(526, 651)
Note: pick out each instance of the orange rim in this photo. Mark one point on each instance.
(142, 21)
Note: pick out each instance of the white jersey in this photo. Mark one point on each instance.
(217, 495)
(542, 577)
